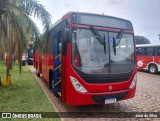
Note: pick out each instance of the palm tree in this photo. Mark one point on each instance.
(16, 24)
(2, 48)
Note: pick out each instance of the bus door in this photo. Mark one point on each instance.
(57, 73)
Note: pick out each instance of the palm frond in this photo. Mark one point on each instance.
(22, 40)
(16, 25)
(34, 8)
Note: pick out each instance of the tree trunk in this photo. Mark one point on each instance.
(1, 56)
(19, 48)
(10, 50)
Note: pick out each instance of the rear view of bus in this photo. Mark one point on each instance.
(101, 63)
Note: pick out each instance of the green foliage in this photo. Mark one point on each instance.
(33, 7)
(16, 25)
(25, 94)
(141, 40)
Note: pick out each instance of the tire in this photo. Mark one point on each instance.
(37, 72)
(153, 69)
(50, 81)
(51, 85)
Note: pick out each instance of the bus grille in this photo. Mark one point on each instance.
(106, 80)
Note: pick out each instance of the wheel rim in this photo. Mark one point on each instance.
(36, 71)
(52, 84)
(152, 69)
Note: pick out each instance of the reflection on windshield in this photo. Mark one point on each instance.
(89, 57)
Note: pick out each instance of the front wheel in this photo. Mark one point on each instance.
(37, 72)
(153, 69)
(52, 86)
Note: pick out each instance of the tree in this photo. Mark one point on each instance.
(2, 49)
(141, 40)
(16, 25)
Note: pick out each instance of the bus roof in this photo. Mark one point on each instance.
(72, 12)
(148, 45)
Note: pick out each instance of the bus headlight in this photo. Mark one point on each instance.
(133, 81)
(77, 85)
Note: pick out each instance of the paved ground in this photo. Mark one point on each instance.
(147, 99)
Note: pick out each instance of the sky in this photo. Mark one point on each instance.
(144, 14)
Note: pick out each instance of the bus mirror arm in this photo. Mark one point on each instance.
(66, 34)
(114, 46)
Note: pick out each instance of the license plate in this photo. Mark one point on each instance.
(110, 100)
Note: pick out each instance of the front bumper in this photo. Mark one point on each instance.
(77, 99)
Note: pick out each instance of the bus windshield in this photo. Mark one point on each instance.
(88, 54)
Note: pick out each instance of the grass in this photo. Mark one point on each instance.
(24, 95)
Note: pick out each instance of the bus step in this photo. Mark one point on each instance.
(59, 93)
(58, 82)
(59, 77)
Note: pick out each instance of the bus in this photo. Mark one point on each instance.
(88, 59)
(30, 57)
(148, 57)
(30, 54)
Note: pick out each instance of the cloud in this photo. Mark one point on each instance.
(114, 2)
(67, 3)
(144, 14)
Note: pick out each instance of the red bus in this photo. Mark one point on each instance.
(148, 57)
(88, 59)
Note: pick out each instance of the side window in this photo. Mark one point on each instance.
(151, 51)
(140, 51)
(158, 51)
(44, 40)
(145, 53)
(50, 43)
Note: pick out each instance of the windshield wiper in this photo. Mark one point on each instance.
(117, 41)
(98, 37)
(119, 37)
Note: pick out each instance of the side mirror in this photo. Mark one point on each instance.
(139, 49)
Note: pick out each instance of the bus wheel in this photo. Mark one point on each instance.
(37, 72)
(153, 69)
(51, 83)
(51, 86)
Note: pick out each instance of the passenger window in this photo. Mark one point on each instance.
(151, 51)
(44, 46)
(145, 51)
(158, 51)
(140, 51)
(50, 44)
